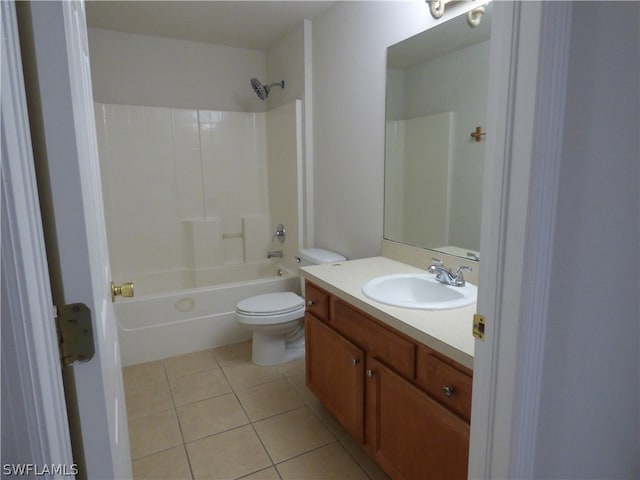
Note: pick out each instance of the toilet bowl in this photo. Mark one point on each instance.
(277, 319)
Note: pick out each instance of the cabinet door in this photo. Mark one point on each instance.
(412, 436)
(396, 352)
(335, 374)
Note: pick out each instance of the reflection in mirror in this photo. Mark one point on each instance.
(437, 83)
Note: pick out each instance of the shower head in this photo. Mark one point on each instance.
(263, 90)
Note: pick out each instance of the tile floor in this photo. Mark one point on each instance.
(213, 414)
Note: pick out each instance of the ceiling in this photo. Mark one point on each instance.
(245, 24)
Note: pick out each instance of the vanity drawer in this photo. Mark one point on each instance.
(448, 385)
(317, 301)
(393, 350)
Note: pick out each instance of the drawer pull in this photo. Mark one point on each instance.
(355, 361)
(371, 373)
(311, 303)
(447, 390)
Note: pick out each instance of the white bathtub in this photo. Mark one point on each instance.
(155, 324)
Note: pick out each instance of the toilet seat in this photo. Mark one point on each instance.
(270, 308)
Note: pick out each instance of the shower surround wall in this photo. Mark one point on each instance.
(418, 174)
(187, 191)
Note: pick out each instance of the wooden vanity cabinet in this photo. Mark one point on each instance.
(409, 434)
(335, 374)
(408, 405)
(334, 365)
(448, 383)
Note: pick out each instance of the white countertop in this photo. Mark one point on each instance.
(447, 331)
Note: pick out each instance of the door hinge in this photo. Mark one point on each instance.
(75, 333)
(478, 326)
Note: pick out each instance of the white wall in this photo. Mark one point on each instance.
(285, 61)
(132, 69)
(349, 69)
(589, 413)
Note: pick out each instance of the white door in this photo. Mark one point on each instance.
(74, 222)
(34, 418)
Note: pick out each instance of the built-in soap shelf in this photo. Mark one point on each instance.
(212, 246)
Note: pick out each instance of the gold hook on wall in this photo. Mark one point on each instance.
(478, 134)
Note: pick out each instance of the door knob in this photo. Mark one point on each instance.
(126, 290)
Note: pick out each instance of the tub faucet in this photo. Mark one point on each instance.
(276, 253)
(443, 275)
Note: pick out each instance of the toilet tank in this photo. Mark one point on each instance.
(316, 256)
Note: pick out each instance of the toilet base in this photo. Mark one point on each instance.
(268, 350)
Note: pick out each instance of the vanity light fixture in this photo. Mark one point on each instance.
(437, 7)
(474, 17)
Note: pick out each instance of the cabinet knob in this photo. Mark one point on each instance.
(447, 390)
(371, 373)
(311, 303)
(355, 361)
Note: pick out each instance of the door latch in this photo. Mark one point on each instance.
(478, 326)
(75, 333)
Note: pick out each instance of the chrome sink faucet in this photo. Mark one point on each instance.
(276, 253)
(444, 275)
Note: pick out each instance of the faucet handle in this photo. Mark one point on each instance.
(435, 262)
(459, 278)
(281, 233)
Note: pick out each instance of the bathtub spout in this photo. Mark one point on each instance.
(277, 254)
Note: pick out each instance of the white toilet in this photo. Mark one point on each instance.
(277, 319)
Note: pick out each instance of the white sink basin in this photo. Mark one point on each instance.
(419, 291)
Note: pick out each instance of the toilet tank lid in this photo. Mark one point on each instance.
(320, 255)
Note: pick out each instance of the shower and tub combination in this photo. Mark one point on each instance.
(192, 198)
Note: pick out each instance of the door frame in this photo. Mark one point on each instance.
(34, 417)
(527, 92)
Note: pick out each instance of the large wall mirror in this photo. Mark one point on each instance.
(437, 83)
